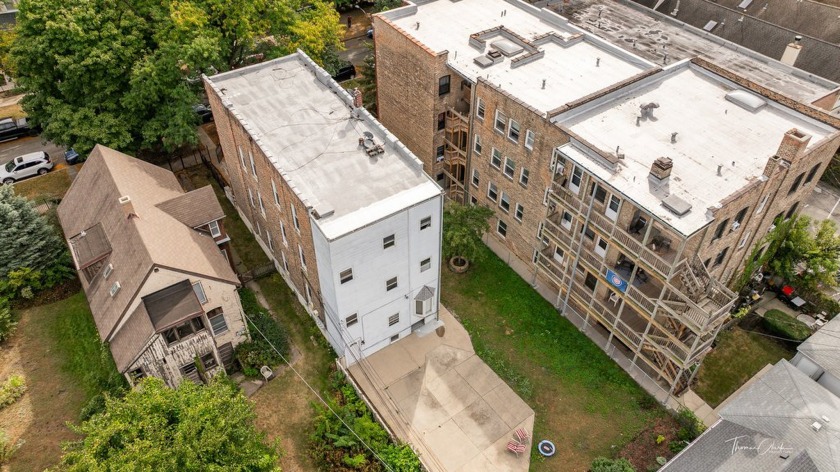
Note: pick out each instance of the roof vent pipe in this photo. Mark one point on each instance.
(543, 84)
(720, 168)
(417, 25)
(647, 109)
(597, 62)
(673, 137)
(792, 51)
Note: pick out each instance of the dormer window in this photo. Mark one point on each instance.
(215, 231)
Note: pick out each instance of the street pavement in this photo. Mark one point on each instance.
(18, 147)
(823, 203)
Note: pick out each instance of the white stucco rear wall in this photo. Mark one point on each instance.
(372, 265)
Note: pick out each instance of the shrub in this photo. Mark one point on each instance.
(602, 464)
(7, 324)
(335, 447)
(7, 449)
(783, 325)
(660, 439)
(647, 402)
(95, 405)
(690, 425)
(677, 446)
(11, 390)
(265, 333)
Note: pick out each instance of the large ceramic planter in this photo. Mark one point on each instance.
(459, 265)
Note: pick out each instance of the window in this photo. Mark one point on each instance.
(189, 370)
(391, 284)
(395, 337)
(283, 233)
(473, 200)
(501, 228)
(721, 227)
(346, 275)
(421, 307)
(115, 288)
(209, 360)
(524, 175)
(285, 262)
(262, 207)
(443, 85)
(214, 229)
(274, 191)
(439, 153)
(242, 158)
(812, 173)
(477, 145)
(107, 271)
(308, 293)
(601, 247)
(302, 257)
(530, 137)
(504, 202)
(612, 207)
(796, 183)
(441, 121)
(259, 230)
(492, 191)
(251, 198)
(510, 167)
(599, 193)
(217, 321)
(520, 211)
(761, 204)
(199, 292)
(513, 131)
(253, 167)
(183, 330)
(558, 162)
(744, 240)
(500, 122)
(791, 211)
(425, 264)
(566, 220)
(739, 218)
(588, 232)
(496, 158)
(425, 223)
(388, 241)
(295, 218)
(559, 255)
(351, 320)
(475, 178)
(577, 178)
(545, 196)
(590, 281)
(270, 240)
(707, 262)
(393, 319)
(137, 374)
(479, 109)
(719, 258)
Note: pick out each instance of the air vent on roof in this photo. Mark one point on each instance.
(710, 25)
(492, 57)
(746, 100)
(370, 146)
(816, 426)
(745, 4)
(676, 205)
(506, 47)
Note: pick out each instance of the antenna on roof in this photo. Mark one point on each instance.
(543, 84)
(597, 62)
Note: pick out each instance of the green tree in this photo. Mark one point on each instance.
(125, 73)
(26, 239)
(367, 79)
(602, 464)
(463, 226)
(385, 5)
(191, 428)
(796, 253)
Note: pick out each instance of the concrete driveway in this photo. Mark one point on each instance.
(433, 392)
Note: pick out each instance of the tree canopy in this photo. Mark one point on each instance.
(191, 428)
(27, 241)
(463, 226)
(126, 73)
(797, 253)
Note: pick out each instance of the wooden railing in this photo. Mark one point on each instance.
(640, 298)
(655, 261)
(627, 332)
(547, 264)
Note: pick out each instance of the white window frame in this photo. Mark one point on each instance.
(608, 211)
(295, 218)
(761, 204)
(351, 320)
(274, 191)
(389, 241)
(302, 257)
(496, 158)
(223, 329)
(345, 276)
(519, 212)
(567, 224)
(477, 144)
(215, 230)
(475, 178)
(576, 172)
(480, 109)
(269, 240)
(242, 157)
(492, 186)
(115, 288)
(744, 240)
(504, 202)
(198, 289)
(425, 223)
(500, 118)
(251, 198)
(524, 176)
(285, 262)
(262, 206)
(396, 283)
(530, 138)
(283, 233)
(501, 229)
(425, 264)
(422, 307)
(514, 126)
(107, 271)
(559, 256)
(512, 168)
(545, 196)
(558, 162)
(601, 251)
(253, 166)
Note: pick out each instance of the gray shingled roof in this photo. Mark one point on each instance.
(823, 347)
(171, 305)
(775, 415)
(129, 341)
(195, 208)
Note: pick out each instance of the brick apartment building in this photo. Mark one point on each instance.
(342, 208)
(629, 193)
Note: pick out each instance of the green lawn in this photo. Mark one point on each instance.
(57, 349)
(50, 186)
(247, 249)
(584, 402)
(738, 356)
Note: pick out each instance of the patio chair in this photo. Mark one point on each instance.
(521, 436)
(516, 447)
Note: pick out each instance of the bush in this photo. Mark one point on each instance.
(7, 324)
(335, 447)
(677, 446)
(690, 425)
(783, 325)
(602, 464)
(95, 405)
(7, 449)
(265, 333)
(11, 390)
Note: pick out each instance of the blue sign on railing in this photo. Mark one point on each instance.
(616, 281)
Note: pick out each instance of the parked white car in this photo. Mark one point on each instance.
(27, 165)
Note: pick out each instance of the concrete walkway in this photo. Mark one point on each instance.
(433, 392)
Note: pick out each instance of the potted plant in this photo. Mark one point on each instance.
(463, 226)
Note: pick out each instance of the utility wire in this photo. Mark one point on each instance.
(388, 467)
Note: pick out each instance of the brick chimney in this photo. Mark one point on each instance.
(357, 98)
(660, 170)
(127, 206)
(793, 145)
(792, 51)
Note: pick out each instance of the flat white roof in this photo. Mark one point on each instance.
(570, 71)
(711, 131)
(305, 123)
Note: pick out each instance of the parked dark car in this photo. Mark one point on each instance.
(11, 128)
(346, 72)
(370, 33)
(204, 113)
(73, 157)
